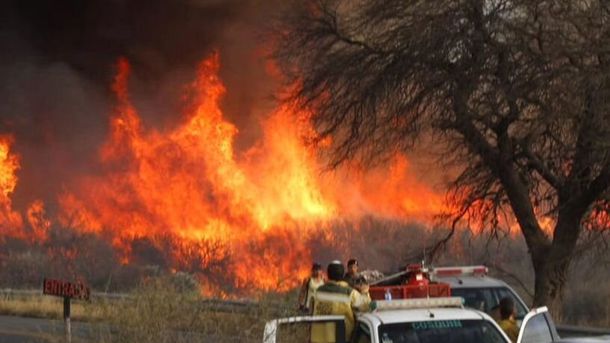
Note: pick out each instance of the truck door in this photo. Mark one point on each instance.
(362, 333)
(298, 329)
(538, 327)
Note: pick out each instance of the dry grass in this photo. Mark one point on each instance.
(162, 312)
(49, 307)
(159, 311)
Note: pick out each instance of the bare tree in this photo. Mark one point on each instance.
(517, 90)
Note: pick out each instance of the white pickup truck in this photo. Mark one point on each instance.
(478, 289)
(422, 320)
(472, 283)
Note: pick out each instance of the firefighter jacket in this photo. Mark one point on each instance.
(336, 298)
(308, 289)
(510, 328)
(351, 279)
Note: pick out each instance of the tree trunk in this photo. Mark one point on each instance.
(550, 278)
(552, 261)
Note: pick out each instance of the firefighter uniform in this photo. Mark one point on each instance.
(336, 298)
(352, 279)
(510, 328)
(308, 289)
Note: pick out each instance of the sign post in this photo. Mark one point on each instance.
(66, 290)
(68, 326)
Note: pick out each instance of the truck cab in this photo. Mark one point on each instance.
(477, 288)
(415, 306)
(446, 320)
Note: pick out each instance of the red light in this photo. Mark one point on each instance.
(448, 272)
(460, 271)
(480, 270)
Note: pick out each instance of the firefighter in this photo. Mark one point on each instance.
(308, 288)
(507, 318)
(352, 276)
(336, 297)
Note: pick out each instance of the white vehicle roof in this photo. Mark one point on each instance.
(470, 281)
(377, 318)
(420, 315)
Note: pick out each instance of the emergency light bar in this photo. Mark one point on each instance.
(460, 271)
(419, 303)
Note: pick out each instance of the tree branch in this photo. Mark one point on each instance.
(598, 186)
(541, 168)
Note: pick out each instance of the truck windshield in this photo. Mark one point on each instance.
(449, 331)
(486, 299)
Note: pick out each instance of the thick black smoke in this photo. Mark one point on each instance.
(57, 61)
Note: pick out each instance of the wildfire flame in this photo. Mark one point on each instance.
(9, 163)
(188, 182)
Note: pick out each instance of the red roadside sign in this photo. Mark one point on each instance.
(66, 289)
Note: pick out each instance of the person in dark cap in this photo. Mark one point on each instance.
(507, 318)
(336, 297)
(308, 288)
(352, 277)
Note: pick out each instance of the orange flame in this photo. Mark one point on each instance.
(185, 188)
(11, 221)
(9, 164)
(189, 182)
(38, 221)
